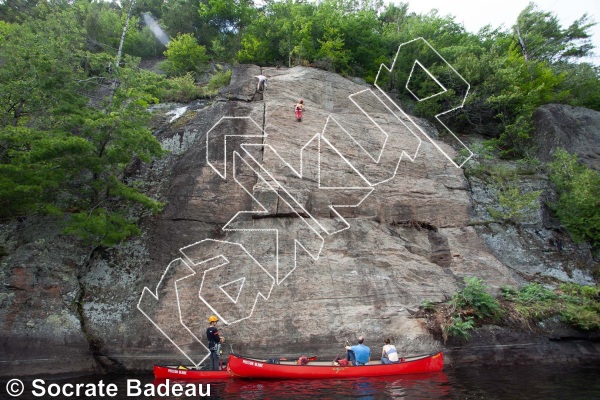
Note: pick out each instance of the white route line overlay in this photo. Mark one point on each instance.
(437, 116)
(156, 297)
(222, 287)
(299, 174)
(297, 243)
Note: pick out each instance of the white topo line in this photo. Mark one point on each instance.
(312, 248)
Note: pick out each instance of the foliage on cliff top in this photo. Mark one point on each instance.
(59, 142)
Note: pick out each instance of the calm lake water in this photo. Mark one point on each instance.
(580, 382)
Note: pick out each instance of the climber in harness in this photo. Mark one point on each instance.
(299, 108)
(214, 342)
(262, 83)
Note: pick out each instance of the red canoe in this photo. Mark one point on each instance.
(179, 372)
(244, 367)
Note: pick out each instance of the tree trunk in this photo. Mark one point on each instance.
(124, 32)
(522, 43)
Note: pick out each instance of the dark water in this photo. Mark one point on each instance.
(580, 382)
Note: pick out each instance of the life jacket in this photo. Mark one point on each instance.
(303, 360)
(343, 362)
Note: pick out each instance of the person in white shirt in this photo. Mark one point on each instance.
(262, 83)
(389, 354)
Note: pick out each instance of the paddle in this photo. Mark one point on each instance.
(313, 358)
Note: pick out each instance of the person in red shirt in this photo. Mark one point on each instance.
(299, 108)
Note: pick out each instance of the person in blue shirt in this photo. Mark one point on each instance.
(359, 354)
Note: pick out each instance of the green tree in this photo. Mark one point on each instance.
(102, 23)
(184, 54)
(225, 20)
(578, 205)
(181, 17)
(21, 10)
(339, 35)
(58, 153)
(227, 16)
(40, 70)
(142, 43)
(526, 87)
(332, 54)
(541, 37)
(276, 34)
(582, 82)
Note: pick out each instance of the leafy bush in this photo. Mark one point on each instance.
(583, 317)
(476, 298)
(582, 308)
(533, 301)
(428, 305)
(100, 227)
(217, 81)
(573, 291)
(466, 307)
(578, 205)
(514, 205)
(460, 328)
(534, 292)
(577, 305)
(181, 89)
(509, 293)
(184, 55)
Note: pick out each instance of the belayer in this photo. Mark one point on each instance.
(299, 108)
(214, 342)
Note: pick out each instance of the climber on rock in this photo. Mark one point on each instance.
(299, 109)
(262, 83)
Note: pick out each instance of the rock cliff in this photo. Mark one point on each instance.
(249, 233)
(574, 129)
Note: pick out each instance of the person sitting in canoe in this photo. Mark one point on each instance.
(359, 354)
(389, 354)
(214, 342)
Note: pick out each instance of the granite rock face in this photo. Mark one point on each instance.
(574, 129)
(41, 325)
(249, 234)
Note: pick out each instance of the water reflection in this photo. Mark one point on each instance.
(423, 386)
(511, 383)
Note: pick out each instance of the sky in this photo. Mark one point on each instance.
(475, 14)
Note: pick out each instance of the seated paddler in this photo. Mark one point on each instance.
(359, 354)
